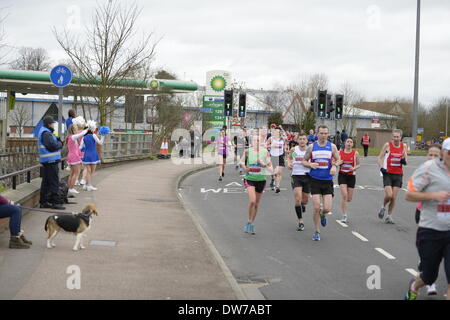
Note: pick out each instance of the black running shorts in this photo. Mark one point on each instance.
(433, 246)
(348, 179)
(259, 185)
(322, 187)
(301, 182)
(392, 180)
(277, 161)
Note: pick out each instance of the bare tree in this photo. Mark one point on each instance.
(20, 117)
(352, 98)
(110, 53)
(300, 93)
(35, 59)
(4, 50)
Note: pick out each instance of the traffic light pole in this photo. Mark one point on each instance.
(416, 80)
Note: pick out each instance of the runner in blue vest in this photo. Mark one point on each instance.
(49, 156)
(321, 153)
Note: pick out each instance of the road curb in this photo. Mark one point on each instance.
(239, 292)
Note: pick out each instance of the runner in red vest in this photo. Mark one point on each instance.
(365, 141)
(391, 160)
(350, 162)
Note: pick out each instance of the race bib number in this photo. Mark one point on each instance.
(254, 170)
(443, 211)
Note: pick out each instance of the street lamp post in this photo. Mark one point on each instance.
(416, 79)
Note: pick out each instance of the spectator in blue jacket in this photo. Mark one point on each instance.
(49, 156)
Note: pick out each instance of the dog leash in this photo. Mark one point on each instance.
(46, 211)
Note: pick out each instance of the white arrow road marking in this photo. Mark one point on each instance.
(360, 237)
(234, 183)
(203, 190)
(386, 254)
(412, 271)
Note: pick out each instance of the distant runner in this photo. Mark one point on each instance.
(321, 153)
(300, 178)
(391, 160)
(350, 162)
(256, 163)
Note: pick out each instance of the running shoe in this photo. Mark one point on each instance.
(237, 167)
(323, 220)
(247, 227)
(410, 295)
(252, 228)
(316, 236)
(277, 190)
(301, 227)
(381, 213)
(344, 218)
(389, 220)
(223, 174)
(431, 290)
(220, 178)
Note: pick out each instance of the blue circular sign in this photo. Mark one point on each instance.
(61, 75)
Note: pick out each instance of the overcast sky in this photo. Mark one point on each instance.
(369, 44)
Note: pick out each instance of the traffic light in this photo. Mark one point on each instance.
(339, 106)
(321, 103)
(228, 103)
(242, 100)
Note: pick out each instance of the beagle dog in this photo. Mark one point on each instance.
(74, 223)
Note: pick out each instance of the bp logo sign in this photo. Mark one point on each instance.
(218, 83)
(154, 84)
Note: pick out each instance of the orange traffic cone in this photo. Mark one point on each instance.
(164, 150)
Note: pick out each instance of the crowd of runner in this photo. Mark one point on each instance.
(314, 160)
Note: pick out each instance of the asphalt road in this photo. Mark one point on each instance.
(286, 264)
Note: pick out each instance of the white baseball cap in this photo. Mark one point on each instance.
(446, 144)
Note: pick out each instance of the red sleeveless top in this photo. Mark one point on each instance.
(348, 162)
(393, 161)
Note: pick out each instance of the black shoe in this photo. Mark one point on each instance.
(223, 174)
(25, 240)
(17, 243)
(301, 227)
(220, 178)
(58, 207)
(277, 190)
(45, 205)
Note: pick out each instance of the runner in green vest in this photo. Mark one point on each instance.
(257, 167)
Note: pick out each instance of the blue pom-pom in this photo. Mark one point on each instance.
(104, 130)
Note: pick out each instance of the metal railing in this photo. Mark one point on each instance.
(24, 166)
(119, 145)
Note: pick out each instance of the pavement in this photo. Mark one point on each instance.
(366, 259)
(143, 245)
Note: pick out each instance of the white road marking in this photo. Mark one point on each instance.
(360, 237)
(412, 271)
(386, 254)
(233, 183)
(342, 224)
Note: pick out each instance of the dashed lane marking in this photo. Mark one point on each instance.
(360, 237)
(342, 224)
(385, 253)
(412, 271)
